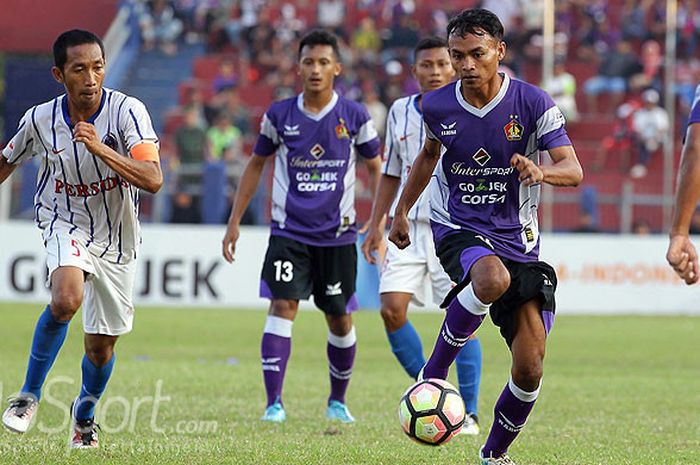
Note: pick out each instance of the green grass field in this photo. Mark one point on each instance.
(617, 390)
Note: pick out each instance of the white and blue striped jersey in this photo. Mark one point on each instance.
(405, 135)
(77, 193)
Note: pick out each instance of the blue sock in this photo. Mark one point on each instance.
(469, 374)
(94, 384)
(406, 345)
(49, 335)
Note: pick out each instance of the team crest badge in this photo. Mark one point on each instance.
(110, 141)
(341, 131)
(514, 130)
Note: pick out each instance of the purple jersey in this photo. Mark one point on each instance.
(695, 112)
(473, 186)
(313, 192)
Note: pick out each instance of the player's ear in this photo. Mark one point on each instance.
(338, 69)
(501, 51)
(57, 74)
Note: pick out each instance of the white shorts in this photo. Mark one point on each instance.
(416, 267)
(107, 306)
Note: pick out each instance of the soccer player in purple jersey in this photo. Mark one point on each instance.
(404, 272)
(316, 136)
(681, 254)
(484, 191)
(97, 148)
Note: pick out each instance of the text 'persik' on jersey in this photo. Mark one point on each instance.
(77, 192)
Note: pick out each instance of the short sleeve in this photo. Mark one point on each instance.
(22, 144)
(391, 165)
(136, 126)
(367, 140)
(550, 130)
(268, 139)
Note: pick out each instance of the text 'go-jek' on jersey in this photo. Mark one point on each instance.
(313, 191)
(473, 186)
(77, 193)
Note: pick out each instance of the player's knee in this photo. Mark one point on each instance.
(100, 355)
(393, 317)
(490, 286)
(528, 376)
(64, 304)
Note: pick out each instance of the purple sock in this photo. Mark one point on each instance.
(341, 357)
(510, 414)
(464, 316)
(275, 349)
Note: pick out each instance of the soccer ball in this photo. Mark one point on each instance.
(431, 412)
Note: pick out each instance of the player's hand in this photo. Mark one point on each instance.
(87, 134)
(683, 258)
(373, 245)
(399, 232)
(228, 244)
(530, 173)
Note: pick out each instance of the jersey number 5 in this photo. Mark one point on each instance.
(284, 271)
(76, 250)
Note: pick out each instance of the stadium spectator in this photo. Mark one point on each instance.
(681, 253)
(92, 239)
(226, 76)
(622, 139)
(316, 136)
(185, 208)
(615, 70)
(191, 139)
(652, 68)
(160, 27)
(562, 89)
(366, 41)
(633, 20)
(650, 124)
(331, 15)
(223, 140)
(376, 109)
(641, 227)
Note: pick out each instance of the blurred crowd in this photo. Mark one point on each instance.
(611, 52)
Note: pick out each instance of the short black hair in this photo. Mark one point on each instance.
(428, 43)
(320, 37)
(71, 39)
(476, 21)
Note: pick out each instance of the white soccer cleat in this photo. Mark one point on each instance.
(18, 416)
(491, 460)
(471, 425)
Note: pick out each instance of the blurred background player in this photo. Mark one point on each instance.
(98, 148)
(483, 198)
(681, 254)
(316, 136)
(404, 273)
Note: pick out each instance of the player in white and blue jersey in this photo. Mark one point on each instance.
(317, 137)
(97, 149)
(484, 192)
(681, 254)
(404, 273)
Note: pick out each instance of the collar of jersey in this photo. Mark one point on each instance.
(481, 112)
(91, 120)
(317, 116)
